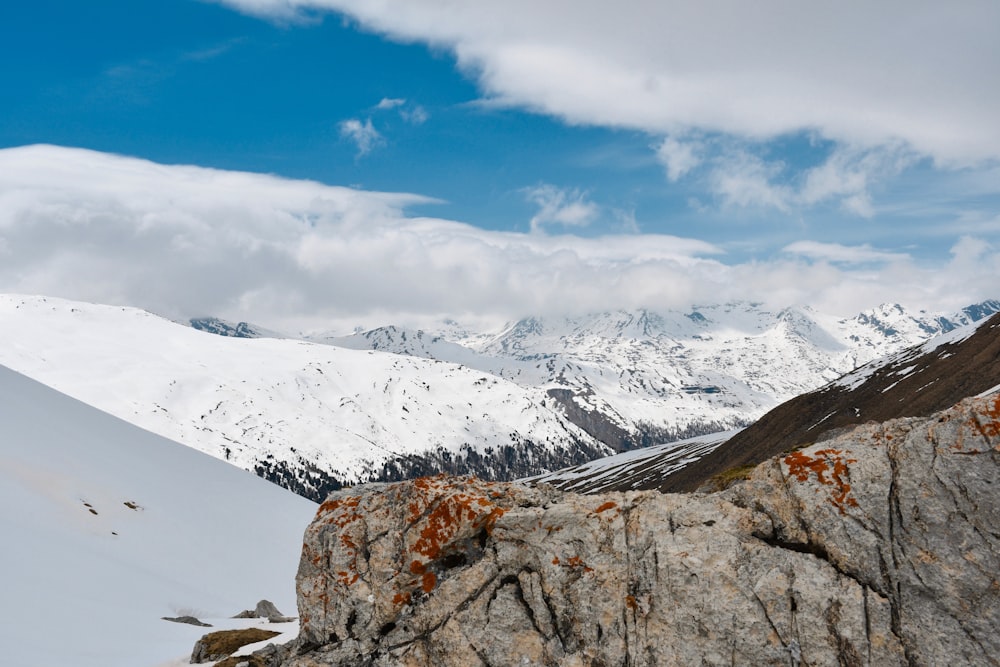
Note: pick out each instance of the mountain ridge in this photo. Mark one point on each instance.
(314, 417)
(632, 378)
(914, 382)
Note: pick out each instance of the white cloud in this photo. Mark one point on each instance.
(678, 157)
(415, 116)
(186, 241)
(856, 72)
(738, 175)
(364, 135)
(849, 173)
(743, 179)
(560, 206)
(390, 103)
(970, 249)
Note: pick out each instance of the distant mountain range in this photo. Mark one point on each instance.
(915, 382)
(539, 395)
(632, 379)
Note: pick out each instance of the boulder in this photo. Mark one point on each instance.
(265, 609)
(874, 548)
(218, 645)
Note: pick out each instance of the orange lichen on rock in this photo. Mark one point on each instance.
(341, 511)
(311, 556)
(577, 562)
(987, 423)
(428, 581)
(446, 518)
(630, 602)
(606, 506)
(347, 578)
(830, 468)
(351, 575)
(401, 598)
(449, 513)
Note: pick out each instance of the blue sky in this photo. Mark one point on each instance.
(838, 137)
(197, 83)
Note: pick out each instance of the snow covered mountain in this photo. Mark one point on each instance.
(632, 379)
(108, 528)
(310, 417)
(539, 395)
(914, 382)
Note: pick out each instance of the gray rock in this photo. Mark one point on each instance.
(219, 645)
(875, 548)
(265, 609)
(190, 620)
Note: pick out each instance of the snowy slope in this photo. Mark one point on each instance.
(654, 376)
(286, 408)
(917, 381)
(905, 361)
(107, 528)
(640, 468)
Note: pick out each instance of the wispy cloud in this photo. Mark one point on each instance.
(364, 135)
(211, 52)
(565, 207)
(849, 173)
(415, 116)
(744, 174)
(835, 252)
(390, 103)
(744, 179)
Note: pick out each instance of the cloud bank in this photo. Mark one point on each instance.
(859, 73)
(298, 255)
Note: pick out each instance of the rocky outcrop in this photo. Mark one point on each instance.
(874, 548)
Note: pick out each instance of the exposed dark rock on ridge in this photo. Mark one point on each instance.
(603, 429)
(874, 548)
(223, 328)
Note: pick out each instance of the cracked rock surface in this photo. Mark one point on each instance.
(878, 547)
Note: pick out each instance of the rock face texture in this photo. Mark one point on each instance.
(878, 547)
